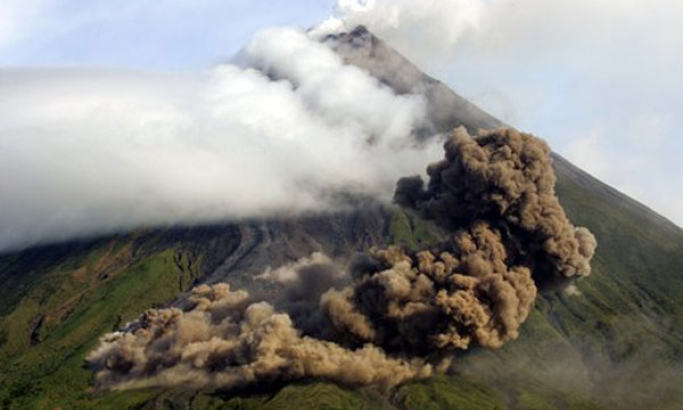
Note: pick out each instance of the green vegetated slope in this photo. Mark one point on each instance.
(55, 324)
(63, 298)
(616, 343)
(618, 340)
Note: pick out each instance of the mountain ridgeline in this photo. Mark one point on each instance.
(613, 339)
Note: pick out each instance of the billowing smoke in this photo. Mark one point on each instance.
(283, 128)
(224, 339)
(505, 178)
(391, 316)
(507, 56)
(426, 29)
(428, 305)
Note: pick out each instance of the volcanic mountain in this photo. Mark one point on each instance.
(613, 340)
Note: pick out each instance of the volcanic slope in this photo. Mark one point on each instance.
(614, 341)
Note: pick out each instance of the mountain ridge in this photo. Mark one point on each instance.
(361, 48)
(625, 327)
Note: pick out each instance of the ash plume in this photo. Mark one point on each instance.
(391, 315)
(428, 305)
(224, 339)
(506, 178)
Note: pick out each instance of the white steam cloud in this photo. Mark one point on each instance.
(419, 29)
(567, 69)
(436, 30)
(284, 127)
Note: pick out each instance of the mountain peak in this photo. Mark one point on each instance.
(446, 109)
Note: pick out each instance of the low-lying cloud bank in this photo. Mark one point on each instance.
(283, 127)
(391, 316)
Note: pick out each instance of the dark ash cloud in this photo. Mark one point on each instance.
(392, 316)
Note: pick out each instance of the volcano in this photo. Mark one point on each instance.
(611, 340)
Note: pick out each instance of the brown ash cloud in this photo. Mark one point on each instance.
(223, 339)
(390, 316)
(430, 304)
(505, 178)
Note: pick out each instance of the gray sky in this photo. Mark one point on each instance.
(599, 79)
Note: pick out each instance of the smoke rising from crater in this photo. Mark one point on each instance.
(391, 316)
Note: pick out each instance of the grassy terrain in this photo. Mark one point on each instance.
(620, 340)
(64, 308)
(45, 371)
(406, 229)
